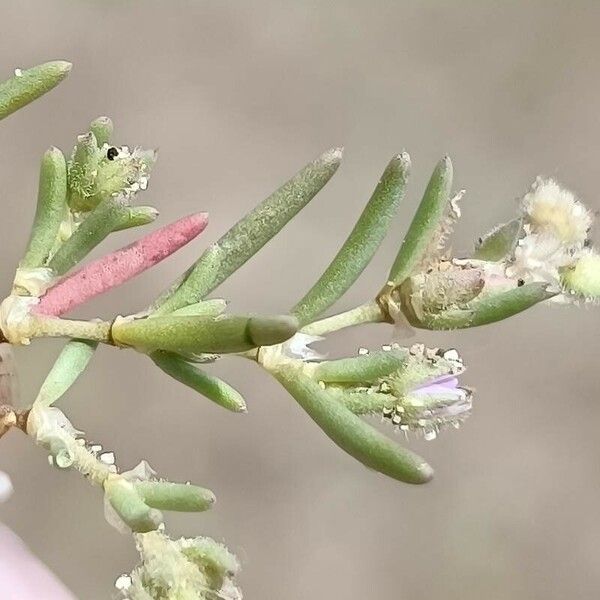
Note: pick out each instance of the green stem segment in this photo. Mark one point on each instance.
(93, 331)
(250, 234)
(361, 245)
(51, 209)
(366, 313)
(351, 433)
(425, 223)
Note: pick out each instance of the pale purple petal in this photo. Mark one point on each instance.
(438, 385)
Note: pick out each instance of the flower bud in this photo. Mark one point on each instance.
(583, 279)
(476, 293)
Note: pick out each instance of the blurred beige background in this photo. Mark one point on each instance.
(238, 96)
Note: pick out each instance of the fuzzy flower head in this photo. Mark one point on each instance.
(429, 397)
(553, 240)
(183, 569)
(540, 257)
(416, 389)
(551, 209)
(99, 172)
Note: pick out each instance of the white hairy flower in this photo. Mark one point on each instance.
(550, 209)
(539, 257)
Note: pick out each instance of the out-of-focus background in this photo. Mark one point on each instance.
(238, 96)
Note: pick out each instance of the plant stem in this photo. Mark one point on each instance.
(95, 331)
(370, 312)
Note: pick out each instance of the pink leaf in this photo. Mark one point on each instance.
(116, 268)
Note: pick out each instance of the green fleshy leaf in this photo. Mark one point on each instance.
(30, 84)
(250, 234)
(500, 242)
(96, 226)
(128, 504)
(488, 309)
(102, 128)
(51, 209)
(207, 308)
(209, 386)
(212, 259)
(364, 403)
(134, 216)
(180, 497)
(425, 223)
(351, 433)
(361, 245)
(201, 335)
(69, 365)
(363, 369)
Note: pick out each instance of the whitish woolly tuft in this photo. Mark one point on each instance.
(549, 208)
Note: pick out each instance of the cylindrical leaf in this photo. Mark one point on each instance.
(134, 216)
(51, 209)
(209, 386)
(425, 223)
(351, 433)
(364, 403)
(361, 245)
(116, 268)
(361, 369)
(30, 84)
(181, 497)
(102, 128)
(489, 309)
(128, 504)
(197, 335)
(72, 361)
(206, 308)
(250, 234)
(97, 225)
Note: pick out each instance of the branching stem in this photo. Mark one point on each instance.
(370, 312)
